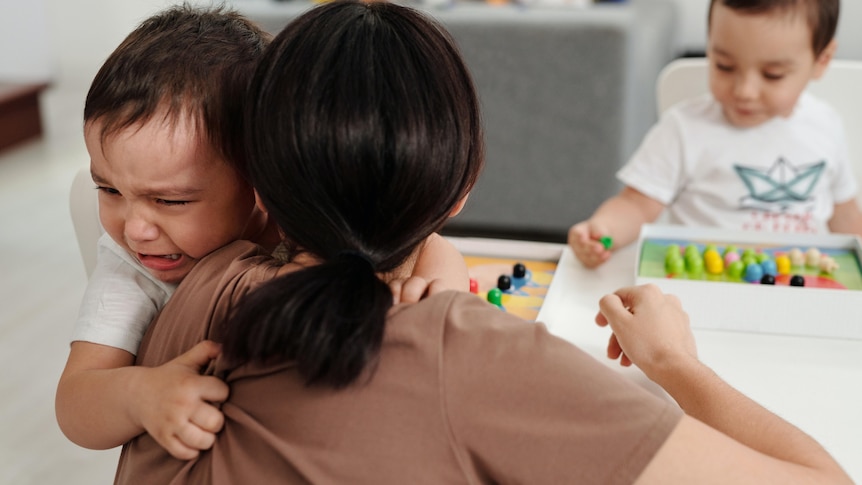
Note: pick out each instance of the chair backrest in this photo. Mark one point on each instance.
(84, 206)
(839, 86)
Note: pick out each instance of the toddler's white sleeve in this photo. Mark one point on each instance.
(844, 186)
(656, 167)
(120, 301)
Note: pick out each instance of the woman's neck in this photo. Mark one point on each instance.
(262, 231)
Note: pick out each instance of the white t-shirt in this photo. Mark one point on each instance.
(120, 301)
(785, 175)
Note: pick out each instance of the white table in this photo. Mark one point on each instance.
(815, 383)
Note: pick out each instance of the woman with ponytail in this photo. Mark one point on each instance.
(363, 138)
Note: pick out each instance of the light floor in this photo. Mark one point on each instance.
(41, 282)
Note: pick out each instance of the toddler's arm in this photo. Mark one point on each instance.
(619, 218)
(440, 260)
(99, 389)
(846, 218)
(439, 267)
(103, 400)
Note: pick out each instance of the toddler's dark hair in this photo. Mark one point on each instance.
(187, 61)
(821, 15)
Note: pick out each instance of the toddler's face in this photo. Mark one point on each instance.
(165, 196)
(759, 64)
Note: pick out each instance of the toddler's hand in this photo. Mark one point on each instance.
(177, 407)
(584, 239)
(414, 288)
(650, 329)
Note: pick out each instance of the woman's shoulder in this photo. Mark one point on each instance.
(458, 309)
(464, 325)
(228, 273)
(504, 382)
(234, 258)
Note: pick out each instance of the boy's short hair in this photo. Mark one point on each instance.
(186, 61)
(822, 15)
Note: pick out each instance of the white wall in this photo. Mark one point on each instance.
(66, 40)
(691, 21)
(24, 43)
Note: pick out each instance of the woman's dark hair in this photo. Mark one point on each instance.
(189, 61)
(363, 133)
(821, 15)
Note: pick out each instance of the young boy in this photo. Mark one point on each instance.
(162, 126)
(757, 153)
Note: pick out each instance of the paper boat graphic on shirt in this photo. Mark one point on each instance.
(783, 183)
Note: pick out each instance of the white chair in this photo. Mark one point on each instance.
(84, 206)
(839, 86)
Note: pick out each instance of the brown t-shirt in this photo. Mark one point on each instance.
(463, 393)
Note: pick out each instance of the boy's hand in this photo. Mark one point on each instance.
(585, 241)
(650, 329)
(177, 409)
(414, 288)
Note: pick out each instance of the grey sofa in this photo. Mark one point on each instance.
(567, 94)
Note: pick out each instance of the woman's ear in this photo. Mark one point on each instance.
(460, 205)
(259, 203)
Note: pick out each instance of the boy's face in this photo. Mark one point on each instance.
(759, 64)
(165, 196)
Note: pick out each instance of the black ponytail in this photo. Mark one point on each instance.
(327, 318)
(363, 133)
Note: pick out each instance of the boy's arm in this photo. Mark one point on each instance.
(725, 437)
(846, 218)
(440, 260)
(619, 218)
(100, 397)
(103, 400)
